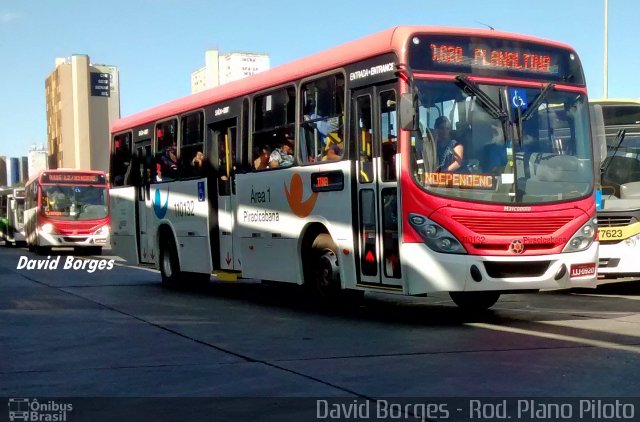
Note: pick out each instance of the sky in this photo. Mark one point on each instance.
(156, 44)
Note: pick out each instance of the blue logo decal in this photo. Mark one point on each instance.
(160, 210)
(200, 191)
(518, 98)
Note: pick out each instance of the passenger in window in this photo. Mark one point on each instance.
(197, 162)
(170, 159)
(262, 162)
(334, 153)
(158, 172)
(449, 151)
(283, 156)
(325, 126)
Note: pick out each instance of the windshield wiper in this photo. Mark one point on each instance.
(537, 101)
(619, 138)
(494, 109)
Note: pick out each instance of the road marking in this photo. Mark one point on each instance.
(561, 337)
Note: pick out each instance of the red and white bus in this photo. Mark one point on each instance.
(330, 171)
(67, 208)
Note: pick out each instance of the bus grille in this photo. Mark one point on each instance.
(615, 220)
(497, 269)
(512, 226)
(74, 239)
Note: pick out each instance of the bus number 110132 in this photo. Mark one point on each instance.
(184, 209)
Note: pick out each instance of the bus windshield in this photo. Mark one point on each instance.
(621, 168)
(67, 202)
(502, 144)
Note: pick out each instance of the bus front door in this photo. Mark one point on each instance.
(144, 160)
(376, 151)
(224, 143)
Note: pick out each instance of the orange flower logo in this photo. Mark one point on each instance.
(294, 197)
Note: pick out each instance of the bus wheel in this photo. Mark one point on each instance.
(43, 250)
(169, 264)
(474, 301)
(323, 272)
(94, 250)
(197, 279)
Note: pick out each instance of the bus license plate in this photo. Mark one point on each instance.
(582, 270)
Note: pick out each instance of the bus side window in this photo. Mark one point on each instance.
(121, 160)
(192, 146)
(166, 157)
(322, 119)
(274, 121)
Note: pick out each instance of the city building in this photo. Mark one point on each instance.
(3, 171)
(83, 99)
(13, 171)
(38, 160)
(220, 69)
(24, 169)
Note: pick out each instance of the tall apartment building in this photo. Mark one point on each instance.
(220, 69)
(13, 171)
(24, 169)
(3, 171)
(83, 99)
(38, 160)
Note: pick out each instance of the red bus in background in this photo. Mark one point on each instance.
(67, 208)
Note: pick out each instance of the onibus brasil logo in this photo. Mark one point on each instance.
(34, 410)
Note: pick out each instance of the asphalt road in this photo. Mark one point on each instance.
(118, 333)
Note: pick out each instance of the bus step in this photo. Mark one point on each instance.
(226, 276)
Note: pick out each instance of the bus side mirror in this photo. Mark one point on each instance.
(408, 107)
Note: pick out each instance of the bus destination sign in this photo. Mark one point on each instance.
(498, 59)
(75, 178)
(494, 57)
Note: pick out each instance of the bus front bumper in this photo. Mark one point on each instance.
(620, 259)
(429, 272)
(58, 240)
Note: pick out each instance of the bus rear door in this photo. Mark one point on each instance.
(376, 147)
(224, 144)
(144, 205)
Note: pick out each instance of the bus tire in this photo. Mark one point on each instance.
(197, 279)
(93, 250)
(169, 263)
(43, 250)
(475, 301)
(322, 268)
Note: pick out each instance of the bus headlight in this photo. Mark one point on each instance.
(583, 238)
(102, 231)
(47, 228)
(435, 236)
(632, 241)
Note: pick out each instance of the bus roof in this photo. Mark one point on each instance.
(390, 40)
(615, 101)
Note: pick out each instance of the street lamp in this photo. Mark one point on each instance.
(606, 43)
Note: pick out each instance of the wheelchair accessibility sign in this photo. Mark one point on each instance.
(518, 98)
